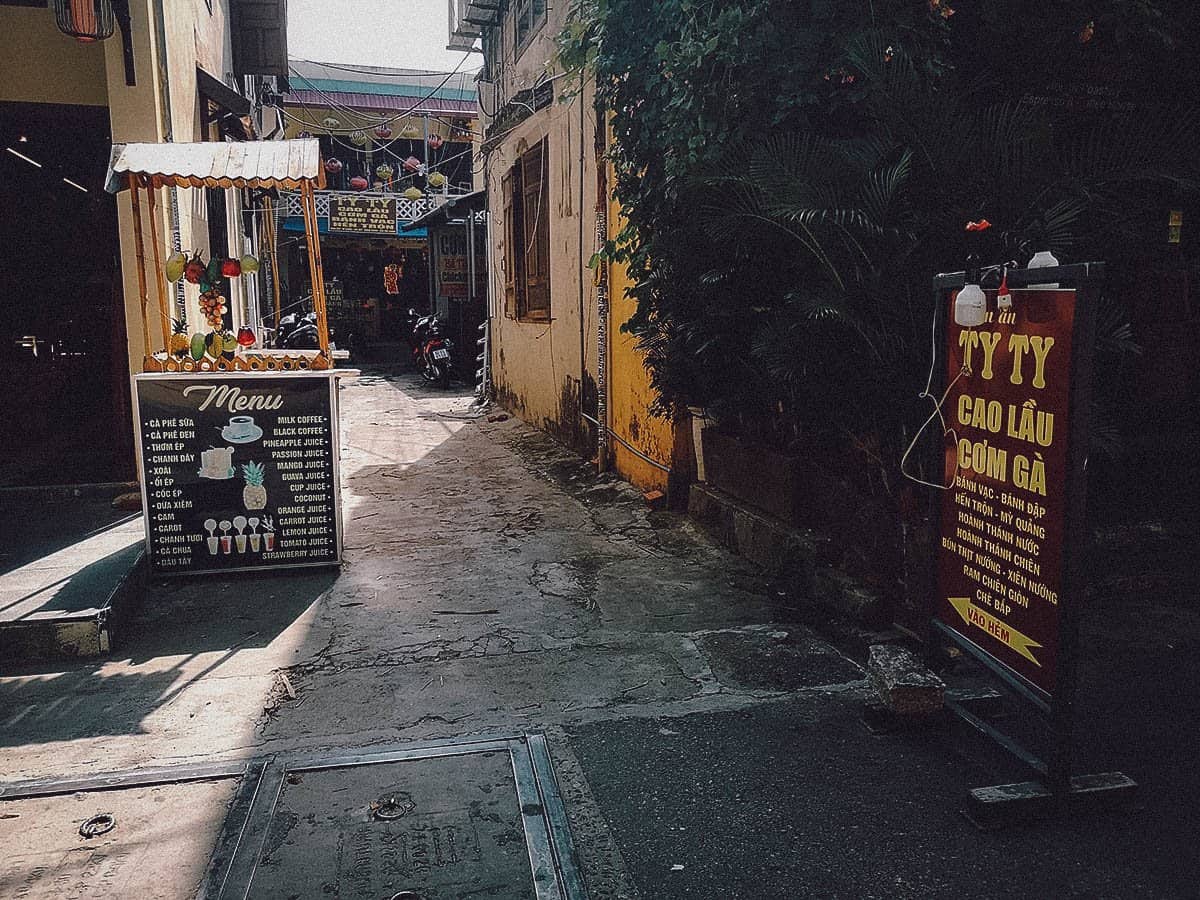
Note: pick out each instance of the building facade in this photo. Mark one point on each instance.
(396, 144)
(183, 71)
(559, 359)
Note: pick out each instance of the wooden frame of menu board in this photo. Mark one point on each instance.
(226, 454)
(1016, 397)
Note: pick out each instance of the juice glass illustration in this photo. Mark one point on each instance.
(269, 541)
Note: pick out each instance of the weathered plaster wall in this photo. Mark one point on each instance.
(545, 371)
(40, 64)
(630, 396)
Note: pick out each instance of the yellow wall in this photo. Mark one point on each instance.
(630, 395)
(40, 64)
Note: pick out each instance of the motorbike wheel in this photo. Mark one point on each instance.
(443, 375)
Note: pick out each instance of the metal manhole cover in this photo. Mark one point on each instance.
(478, 818)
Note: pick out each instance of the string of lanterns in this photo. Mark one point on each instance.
(385, 172)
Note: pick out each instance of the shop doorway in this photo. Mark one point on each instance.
(63, 355)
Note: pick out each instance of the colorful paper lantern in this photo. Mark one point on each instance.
(358, 183)
(333, 165)
(437, 180)
(359, 138)
(410, 131)
(413, 193)
(385, 172)
(331, 123)
(303, 135)
(412, 164)
(436, 141)
(383, 132)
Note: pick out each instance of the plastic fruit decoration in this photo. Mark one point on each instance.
(413, 193)
(249, 264)
(197, 347)
(245, 337)
(358, 183)
(437, 180)
(231, 268)
(212, 305)
(213, 273)
(194, 270)
(180, 343)
(175, 265)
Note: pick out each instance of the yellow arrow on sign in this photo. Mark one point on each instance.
(1005, 634)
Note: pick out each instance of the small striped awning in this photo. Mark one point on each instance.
(216, 164)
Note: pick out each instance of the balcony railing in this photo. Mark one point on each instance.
(406, 210)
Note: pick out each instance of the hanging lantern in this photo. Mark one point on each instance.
(385, 172)
(377, 186)
(410, 131)
(304, 135)
(412, 164)
(437, 180)
(85, 20)
(436, 141)
(333, 165)
(413, 193)
(383, 132)
(359, 138)
(331, 123)
(358, 183)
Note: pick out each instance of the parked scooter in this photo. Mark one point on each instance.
(298, 333)
(432, 351)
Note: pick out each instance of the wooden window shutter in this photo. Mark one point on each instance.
(258, 32)
(510, 252)
(536, 244)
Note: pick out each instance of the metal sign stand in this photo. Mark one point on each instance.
(1055, 785)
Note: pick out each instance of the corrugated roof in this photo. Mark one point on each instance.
(382, 103)
(254, 164)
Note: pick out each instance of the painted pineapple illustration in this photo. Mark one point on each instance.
(254, 495)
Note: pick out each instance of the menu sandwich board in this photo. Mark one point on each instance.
(239, 471)
(1009, 468)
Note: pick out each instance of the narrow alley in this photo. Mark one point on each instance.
(705, 742)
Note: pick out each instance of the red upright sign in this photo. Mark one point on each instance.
(1000, 566)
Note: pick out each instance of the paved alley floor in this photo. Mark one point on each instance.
(707, 743)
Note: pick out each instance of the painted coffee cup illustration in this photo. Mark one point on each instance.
(241, 430)
(216, 463)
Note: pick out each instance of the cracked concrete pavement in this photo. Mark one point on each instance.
(707, 743)
(492, 583)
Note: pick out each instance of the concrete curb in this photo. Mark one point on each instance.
(783, 551)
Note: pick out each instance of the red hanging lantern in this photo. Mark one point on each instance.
(435, 141)
(358, 183)
(85, 20)
(412, 164)
(333, 165)
(383, 132)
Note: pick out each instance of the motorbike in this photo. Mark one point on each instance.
(298, 332)
(432, 351)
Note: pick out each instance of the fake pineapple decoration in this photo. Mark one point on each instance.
(254, 495)
(180, 342)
